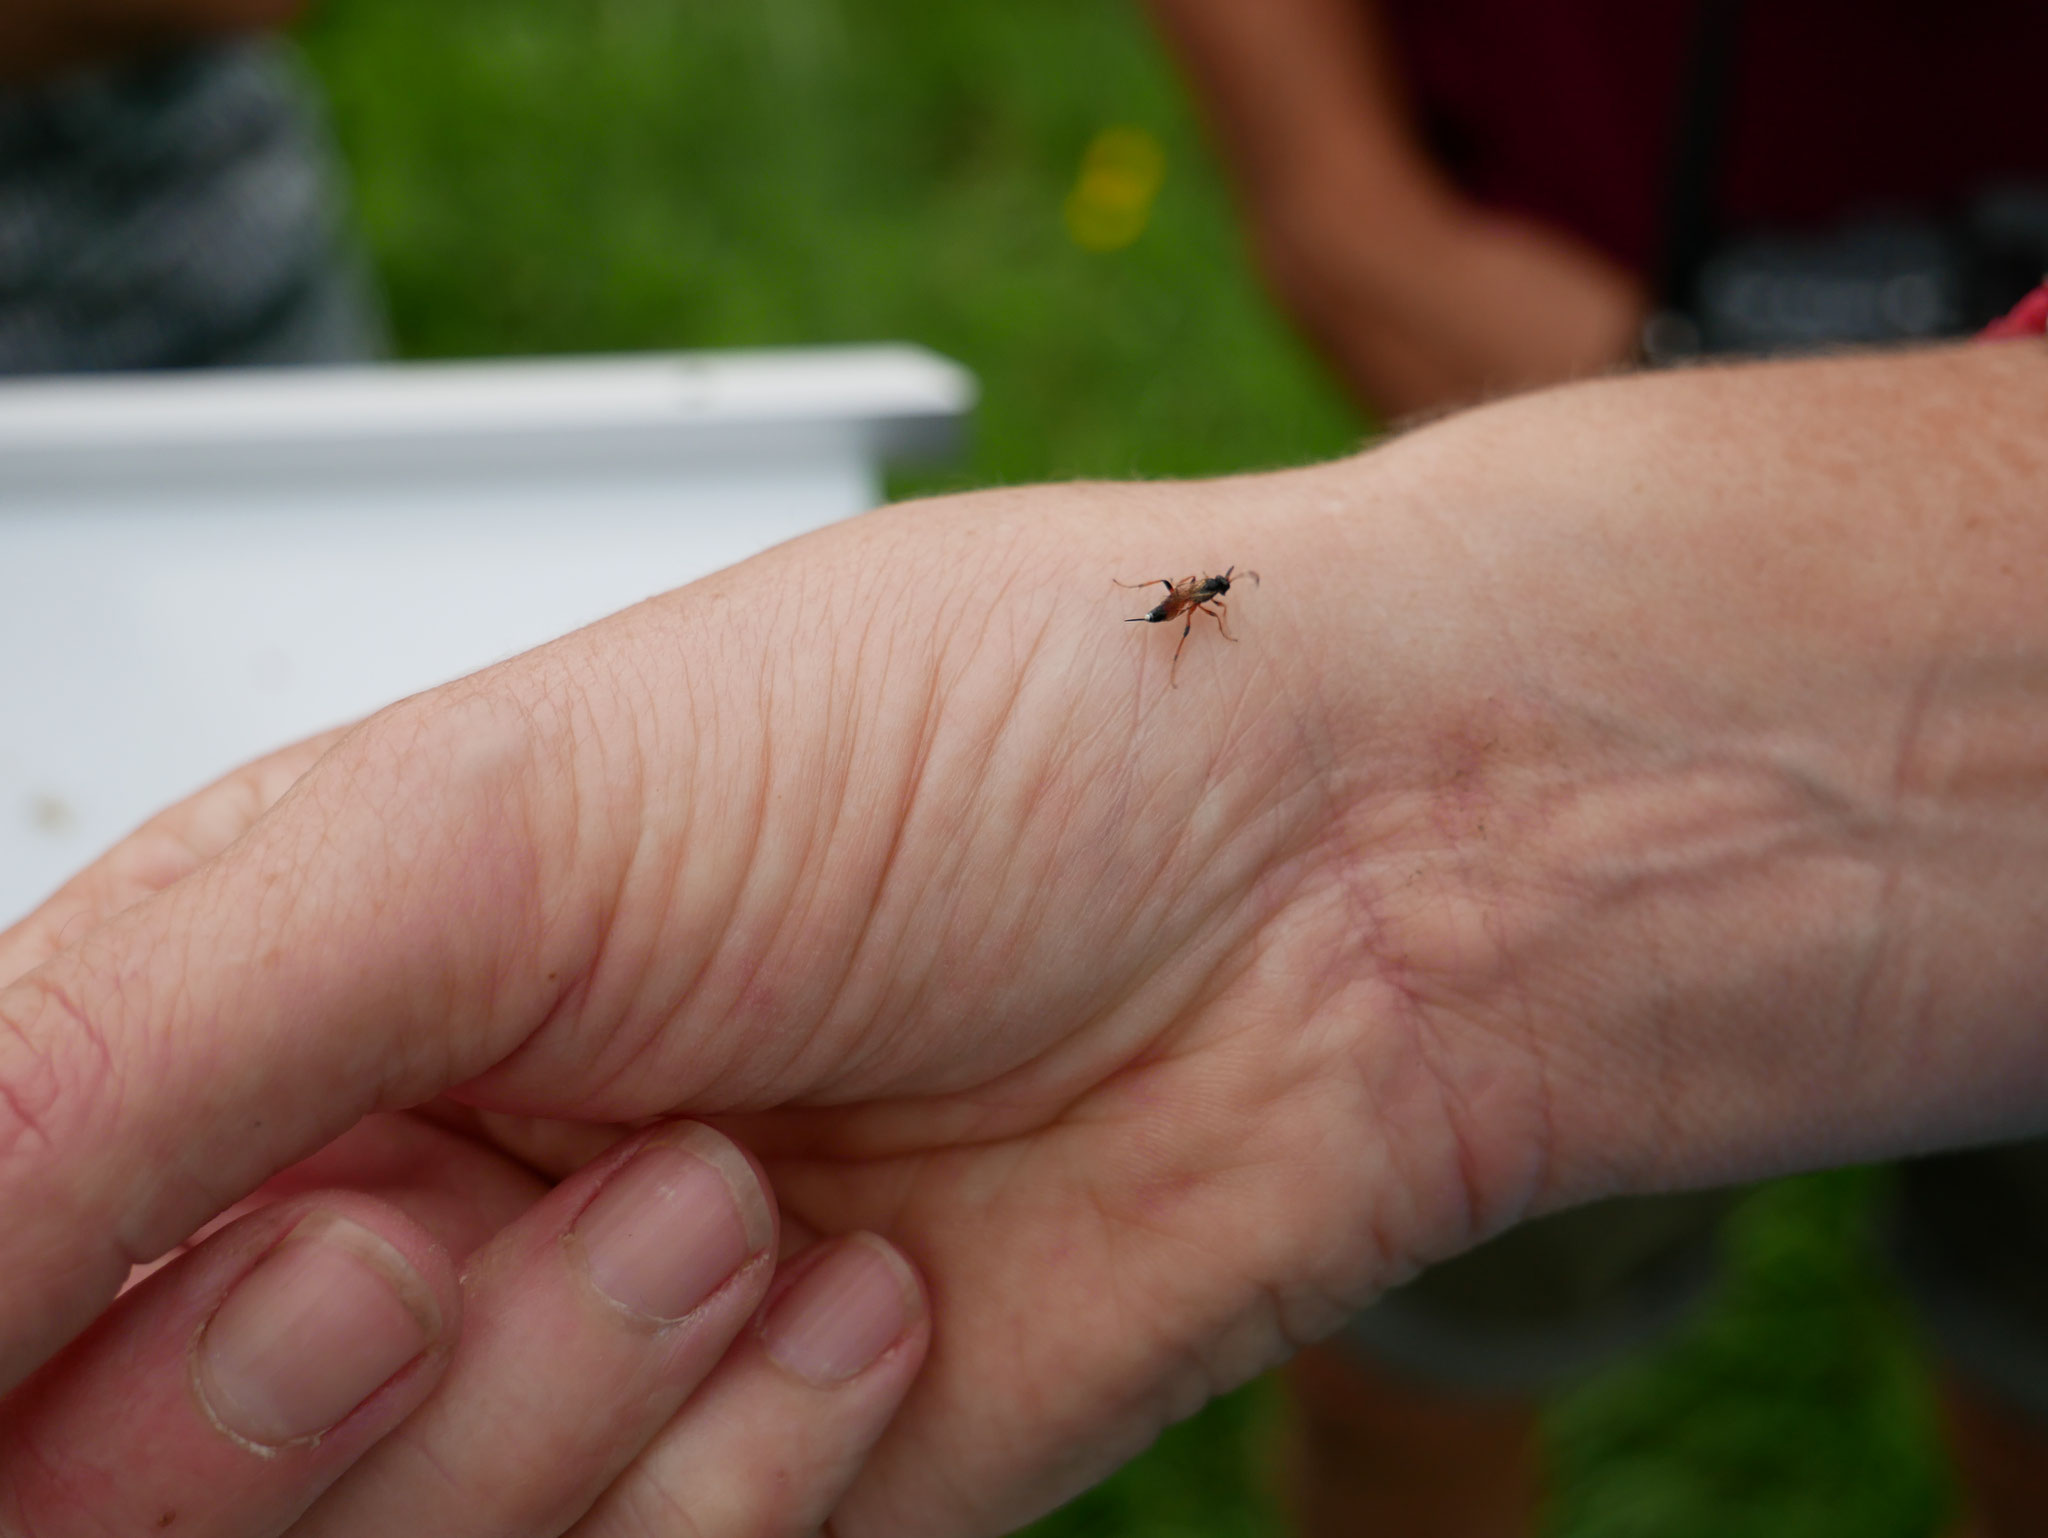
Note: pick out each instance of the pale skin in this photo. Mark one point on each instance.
(1421, 298)
(1623, 787)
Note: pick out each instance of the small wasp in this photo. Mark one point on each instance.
(1189, 596)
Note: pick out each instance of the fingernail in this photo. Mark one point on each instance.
(841, 1314)
(318, 1326)
(668, 1228)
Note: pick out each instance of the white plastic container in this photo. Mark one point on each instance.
(197, 568)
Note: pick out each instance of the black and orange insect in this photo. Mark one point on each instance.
(1189, 596)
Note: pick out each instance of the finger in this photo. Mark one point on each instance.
(459, 1190)
(768, 1445)
(587, 1323)
(355, 951)
(168, 847)
(221, 1396)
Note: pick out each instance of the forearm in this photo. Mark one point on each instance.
(1307, 110)
(44, 38)
(1420, 298)
(1304, 99)
(1735, 764)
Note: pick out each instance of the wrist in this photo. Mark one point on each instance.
(1715, 833)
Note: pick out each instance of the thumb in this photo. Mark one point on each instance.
(173, 843)
(374, 939)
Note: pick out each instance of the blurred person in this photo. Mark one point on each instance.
(1459, 199)
(168, 197)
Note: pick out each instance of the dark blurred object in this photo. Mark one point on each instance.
(1866, 283)
(175, 212)
(1370, 1454)
(1908, 274)
(1458, 198)
(1573, 111)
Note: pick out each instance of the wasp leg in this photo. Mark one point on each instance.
(1221, 610)
(1160, 580)
(1173, 673)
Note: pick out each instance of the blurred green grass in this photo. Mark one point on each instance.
(583, 175)
(537, 176)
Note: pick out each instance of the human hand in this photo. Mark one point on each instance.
(983, 1151)
(559, 1380)
(1503, 863)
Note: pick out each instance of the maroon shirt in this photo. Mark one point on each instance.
(1566, 109)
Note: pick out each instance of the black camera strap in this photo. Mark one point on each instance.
(1692, 222)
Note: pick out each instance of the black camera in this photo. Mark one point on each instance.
(1885, 279)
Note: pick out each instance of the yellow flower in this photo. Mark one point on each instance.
(1111, 201)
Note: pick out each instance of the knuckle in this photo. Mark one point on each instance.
(422, 764)
(55, 1060)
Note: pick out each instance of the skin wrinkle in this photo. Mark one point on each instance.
(1167, 1054)
(1179, 851)
(757, 814)
(1881, 922)
(1479, 1209)
(485, 994)
(101, 1065)
(436, 996)
(668, 881)
(27, 1112)
(653, 976)
(1387, 973)
(812, 871)
(870, 1020)
(1228, 1159)
(701, 720)
(1055, 781)
(985, 747)
(1703, 866)
(832, 1010)
(874, 1036)
(1184, 999)
(1211, 920)
(1488, 1209)
(629, 831)
(458, 754)
(1148, 1050)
